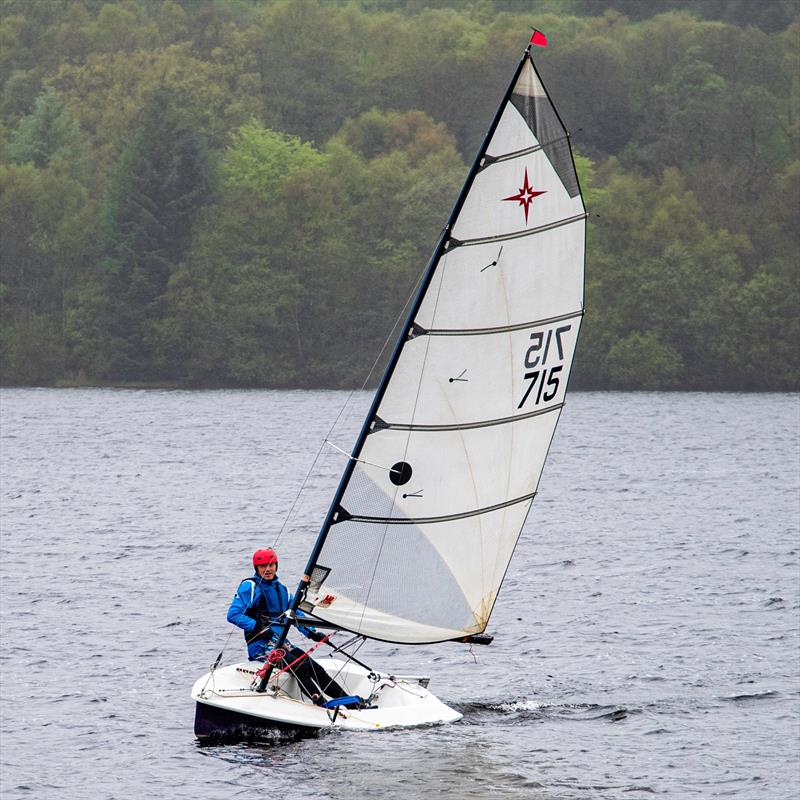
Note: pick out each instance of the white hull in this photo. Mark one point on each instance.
(227, 705)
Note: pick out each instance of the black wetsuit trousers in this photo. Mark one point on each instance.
(311, 676)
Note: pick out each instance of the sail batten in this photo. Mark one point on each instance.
(441, 479)
(521, 326)
(475, 512)
(490, 159)
(399, 426)
(503, 237)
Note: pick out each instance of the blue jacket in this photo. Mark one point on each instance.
(258, 596)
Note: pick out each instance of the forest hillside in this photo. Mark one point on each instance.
(207, 193)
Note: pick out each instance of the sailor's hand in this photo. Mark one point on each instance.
(316, 636)
(253, 634)
(263, 622)
(261, 627)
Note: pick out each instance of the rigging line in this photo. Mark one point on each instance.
(307, 657)
(305, 654)
(342, 648)
(333, 510)
(440, 268)
(300, 492)
(351, 656)
(502, 237)
(404, 687)
(216, 664)
(335, 676)
(228, 640)
(342, 410)
(390, 337)
(303, 690)
(357, 460)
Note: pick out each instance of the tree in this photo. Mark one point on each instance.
(160, 182)
(654, 268)
(46, 237)
(642, 361)
(259, 159)
(340, 131)
(307, 257)
(756, 333)
(47, 134)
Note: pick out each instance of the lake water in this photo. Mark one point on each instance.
(646, 638)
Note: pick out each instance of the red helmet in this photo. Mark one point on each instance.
(261, 557)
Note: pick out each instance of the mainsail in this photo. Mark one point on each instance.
(432, 502)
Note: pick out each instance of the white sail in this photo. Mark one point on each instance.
(430, 510)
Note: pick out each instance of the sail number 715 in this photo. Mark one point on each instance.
(543, 378)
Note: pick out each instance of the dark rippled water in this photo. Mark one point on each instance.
(646, 637)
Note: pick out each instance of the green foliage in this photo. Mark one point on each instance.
(47, 134)
(160, 182)
(242, 193)
(295, 280)
(32, 349)
(46, 231)
(757, 331)
(259, 159)
(642, 361)
(774, 15)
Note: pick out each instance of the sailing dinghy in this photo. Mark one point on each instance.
(448, 460)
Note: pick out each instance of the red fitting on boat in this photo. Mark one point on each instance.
(306, 653)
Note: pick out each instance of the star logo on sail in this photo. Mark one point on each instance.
(525, 195)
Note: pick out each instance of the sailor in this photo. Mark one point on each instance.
(257, 608)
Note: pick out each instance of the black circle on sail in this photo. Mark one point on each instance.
(400, 473)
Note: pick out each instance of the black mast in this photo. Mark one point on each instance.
(441, 246)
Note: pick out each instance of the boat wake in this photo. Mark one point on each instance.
(525, 710)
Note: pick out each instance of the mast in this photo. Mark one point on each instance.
(430, 268)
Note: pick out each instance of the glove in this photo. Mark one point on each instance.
(316, 636)
(263, 622)
(262, 627)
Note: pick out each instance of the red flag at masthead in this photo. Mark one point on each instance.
(538, 38)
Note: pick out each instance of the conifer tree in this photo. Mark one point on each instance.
(47, 133)
(160, 181)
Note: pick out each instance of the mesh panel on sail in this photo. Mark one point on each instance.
(536, 109)
(366, 499)
(318, 575)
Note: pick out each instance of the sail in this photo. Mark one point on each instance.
(441, 480)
